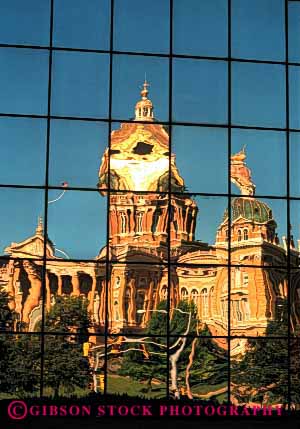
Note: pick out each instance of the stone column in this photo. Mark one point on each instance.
(156, 300)
(186, 219)
(132, 304)
(193, 224)
(48, 292)
(109, 303)
(75, 285)
(121, 298)
(131, 220)
(92, 295)
(13, 277)
(102, 302)
(149, 302)
(59, 284)
(33, 298)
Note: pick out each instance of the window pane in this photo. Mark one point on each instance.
(258, 301)
(294, 31)
(25, 22)
(200, 28)
(258, 29)
(66, 369)
(139, 297)
(258, 100)
(25, 92)
(294, 96)
(199, 151)
(139, 157)
(81, 24)
(135, 29)
(202, 293)
(22, 288)
(294, 228)
(20, 365)
(199, 91)
(294, 164)
(258, 231)
(261, 374)
(211, 229)
(76, 150)
(250, 149)
(76, 217)
(137, 368)
(20, 221)
(140, 224)
(80, 84)
(202, 370)
(24, 143)
(127, 85)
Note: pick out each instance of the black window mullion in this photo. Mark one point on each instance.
(107, 259)
(44, 269)
(288, 199)
(229, 195)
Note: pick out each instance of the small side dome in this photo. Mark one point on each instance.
(250, 209)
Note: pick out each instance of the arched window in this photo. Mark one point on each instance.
(224, 288)
(184, 293)
(226, 235)
(117, 283)
(164, 293)
(140, 301)
(237, 281)
(211, 294)
(239, 234)
(195, 296)
(246, 234)
(239, 315)
(139, 222)
(127, 302)
(224, 308)
(204, 302)
(246, 308)
(116, 311)
(123, 222)
(142, 282)
(245, 279)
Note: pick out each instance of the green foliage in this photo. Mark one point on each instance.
(69, 314)
(261, 375)
(64, 363)
(23, 369)
(65, 367)
(7, 316)
(179, 320)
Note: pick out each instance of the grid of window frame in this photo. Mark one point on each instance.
(109, 120)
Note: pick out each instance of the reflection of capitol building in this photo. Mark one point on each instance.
(141, 222)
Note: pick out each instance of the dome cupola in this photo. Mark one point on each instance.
(144, 107)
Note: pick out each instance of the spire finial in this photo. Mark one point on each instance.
(144, 91)
(40, 227)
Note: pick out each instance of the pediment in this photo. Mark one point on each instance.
(30, 248)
